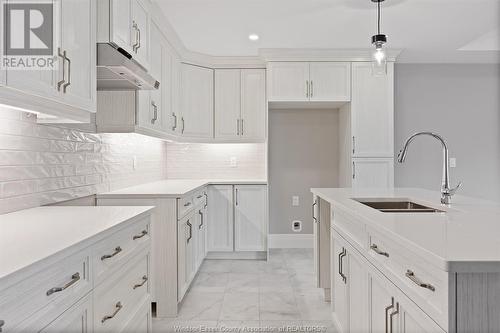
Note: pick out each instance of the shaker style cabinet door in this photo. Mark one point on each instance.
(373, 172)
(227, 103)
(288, 81)
(140, 30)
(330, 81)
(253, 105)
(196, 102)
(372, 111)
(220, 222)
(250, 204)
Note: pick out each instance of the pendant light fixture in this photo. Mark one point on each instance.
(379, 55)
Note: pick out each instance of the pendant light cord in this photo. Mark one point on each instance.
(378, 16)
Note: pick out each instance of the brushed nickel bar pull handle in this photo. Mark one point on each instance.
(200, 196)
(118, 307)
(143, 233)
(206, 200)
(242, 127)
(375, 248)
(236, 196)
(66, 85)
(107, 256)
(387, 314)
(139, 43)
(314, 217)
(312, 89)
(134, 26)
(201, 216)
(341, 266)
(392, 315)
(344, 277)
(74, 279)
(353, 170)
(63, 56)
(144, 280)
(187, 204)
(155, 112)
(411, 275)
(183, 125)
(190, 231)
(307, 88)
(175, 122)
(353, 144)
(237, 127)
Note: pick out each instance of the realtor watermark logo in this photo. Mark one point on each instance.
(28, 36)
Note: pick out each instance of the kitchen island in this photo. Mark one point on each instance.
(399, 260)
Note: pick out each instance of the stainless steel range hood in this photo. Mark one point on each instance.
(117, 70)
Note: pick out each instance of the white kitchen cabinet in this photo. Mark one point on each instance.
(220, 222)
(250, 217)
(340, 293)
(373, 172)
(77, 319)
(125, 23)
(288, 81)
(240, 104)
(68, 91)
(330, 81)
(309, 81)
(197, 102)
(372, 111)
(227, 103)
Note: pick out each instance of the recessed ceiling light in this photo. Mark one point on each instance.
(253, 37)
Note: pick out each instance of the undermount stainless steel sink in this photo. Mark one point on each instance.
(393, 206)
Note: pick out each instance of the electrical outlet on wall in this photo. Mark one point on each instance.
(297, 226)
(453, 162)
(295, 200)
(233, 162)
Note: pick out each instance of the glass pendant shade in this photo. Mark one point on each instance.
(379, 60)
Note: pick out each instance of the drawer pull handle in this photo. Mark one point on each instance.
(190, 231)
(387, 313)
(206, 199)
(341, 268)
(2, 322)
(143, 233)
(144, 280)
(107, 256)
(396, 311)
(187, 204)
(314, 217)
(201, 220)
(118, 306)
(199, 197)
(74, 279)
(375, 248)
(410, 275)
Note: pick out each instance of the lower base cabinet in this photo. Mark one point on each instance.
(237, 220)
(77, 319)
(364, 300)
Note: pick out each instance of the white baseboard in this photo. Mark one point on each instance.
(291, 241)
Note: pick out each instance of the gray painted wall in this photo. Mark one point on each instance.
(303, 153)
(461, 102)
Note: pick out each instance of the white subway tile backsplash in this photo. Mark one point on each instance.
(42, 164)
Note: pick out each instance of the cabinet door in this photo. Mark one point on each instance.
(253, 104)
(140, 17)
(381, 303)
(220, 218)
(166, 86)
(227, 103)
(196, 102)
(182, 235)
(250, 217)
(77, 319)
(78, 37)
(373, 172)
(372, 111)
(201, 228)
(357, 280)
(41, 82)
(288, 81)
(330, 81)
(414, 320)
(340, 296)
(121, 24)
(176, 126)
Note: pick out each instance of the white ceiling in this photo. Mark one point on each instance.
(427, 30)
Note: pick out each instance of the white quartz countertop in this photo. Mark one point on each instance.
(175, 188)
(467, 232)
(32, 235)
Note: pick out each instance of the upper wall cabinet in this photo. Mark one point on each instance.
(67, 91)
(126, 24)
(197, 88)
(240, 105)
(309, 81)
(372, 112)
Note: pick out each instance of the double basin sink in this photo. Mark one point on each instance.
(397, 206)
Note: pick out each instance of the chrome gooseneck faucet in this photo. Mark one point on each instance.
(446, 191)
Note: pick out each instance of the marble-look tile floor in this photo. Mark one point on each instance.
(261, 296)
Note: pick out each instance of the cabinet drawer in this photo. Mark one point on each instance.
(116, 250)
(46, 292)
(350, 227)
(425, 285)
(200, 197)
(140, 322)
(184, 206)
(119, 297)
